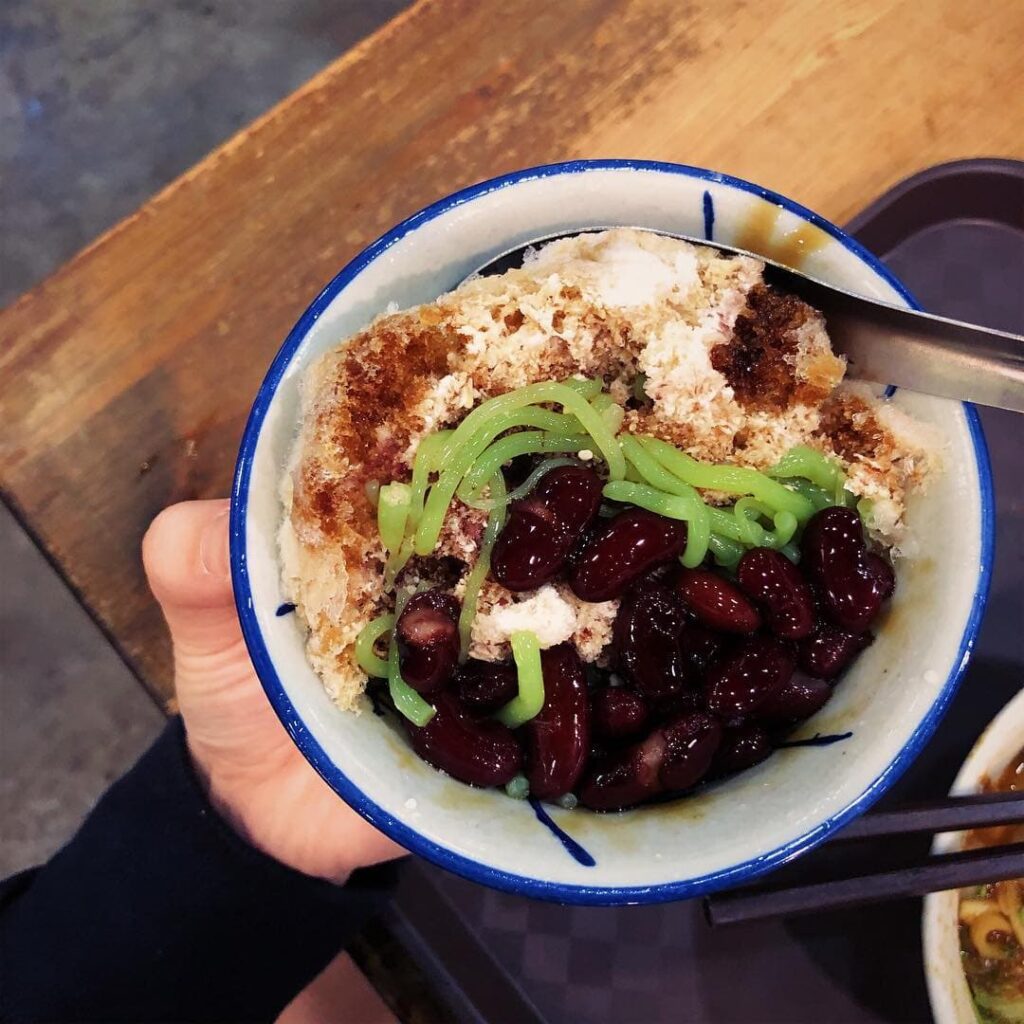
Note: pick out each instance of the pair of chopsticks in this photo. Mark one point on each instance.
(932, 874)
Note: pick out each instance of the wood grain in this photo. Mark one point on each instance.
(126, 377)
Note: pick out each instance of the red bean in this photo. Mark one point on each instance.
(624, 777)
(879, 571)
(428, 640)
(743, 679)
(828, 650)
(558, 738)
(485, 686)
(853, 582)
(646, 640)
(536, 541)
(715, 602)
(573, 493)
(832, 543)
(796, 700)
(777, 583)
(690, 744)
(741, 748)
(617, 713)
(690, 699)
(699, 647)
(624, 549)
(674, 756)
(531, 549)
(477, 751)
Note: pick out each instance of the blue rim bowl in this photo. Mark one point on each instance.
(731, 192)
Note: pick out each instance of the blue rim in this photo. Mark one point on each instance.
(408, 837)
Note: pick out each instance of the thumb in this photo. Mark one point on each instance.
(185, 554)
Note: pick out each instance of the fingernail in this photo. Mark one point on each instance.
(214, 555)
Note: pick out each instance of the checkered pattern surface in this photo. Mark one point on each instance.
(579, 963)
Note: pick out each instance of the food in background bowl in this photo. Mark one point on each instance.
(587, 518)
(991, 921)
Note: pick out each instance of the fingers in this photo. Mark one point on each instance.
(185, 554)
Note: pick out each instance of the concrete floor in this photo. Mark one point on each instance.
(102, 102)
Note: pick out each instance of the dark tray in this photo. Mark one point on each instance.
(954, 234)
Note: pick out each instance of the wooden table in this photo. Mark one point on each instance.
(126, 377)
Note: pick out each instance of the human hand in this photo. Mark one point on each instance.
(254, 774)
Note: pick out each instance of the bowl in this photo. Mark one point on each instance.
(948, 990)
(884, 710)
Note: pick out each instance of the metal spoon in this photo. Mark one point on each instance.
(884, 343)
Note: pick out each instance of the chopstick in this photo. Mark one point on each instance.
(932, 874)
(946, 871)
(951, 814)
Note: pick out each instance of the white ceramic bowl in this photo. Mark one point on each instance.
(890, 701)
(947, 986)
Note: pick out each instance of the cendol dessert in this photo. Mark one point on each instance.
(598, 528)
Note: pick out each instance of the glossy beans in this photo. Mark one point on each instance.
(558, 738)
(796, 700)
(743, 679)
(646, 641)
(573, 493)
(828, 650)
(699, 647)
(617, 713)
(740, 748)
(625, 548)
(853, 582)
(543, 527)
(480, 752)
(775, 582)
(690, 744)
(689, 699)
(674, 756)
(715, 602)
(625, 777)
(485, 686)
(428, 640)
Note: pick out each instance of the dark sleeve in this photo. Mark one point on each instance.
(158, 911)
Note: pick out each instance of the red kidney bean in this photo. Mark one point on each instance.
(699, 647)
(428, 640)
(715, 602)
(832, 543)
(673, 756)
(617, 713)
(853, 602)
(573, 493)
(828, 650)
(690, 744)
(852, 581)
(796, 700)
(747, 676)
(558, 738)
(531, 549)
(624, 549)
(542, 528)
(625, 777)
(690, 699)
(485, 686)
(645, 638)
(480, 752)
(777, 583)
(741, 748)
(879, 571)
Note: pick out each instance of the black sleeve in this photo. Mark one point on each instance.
(158, 911)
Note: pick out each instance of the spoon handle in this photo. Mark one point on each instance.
(926, 353)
